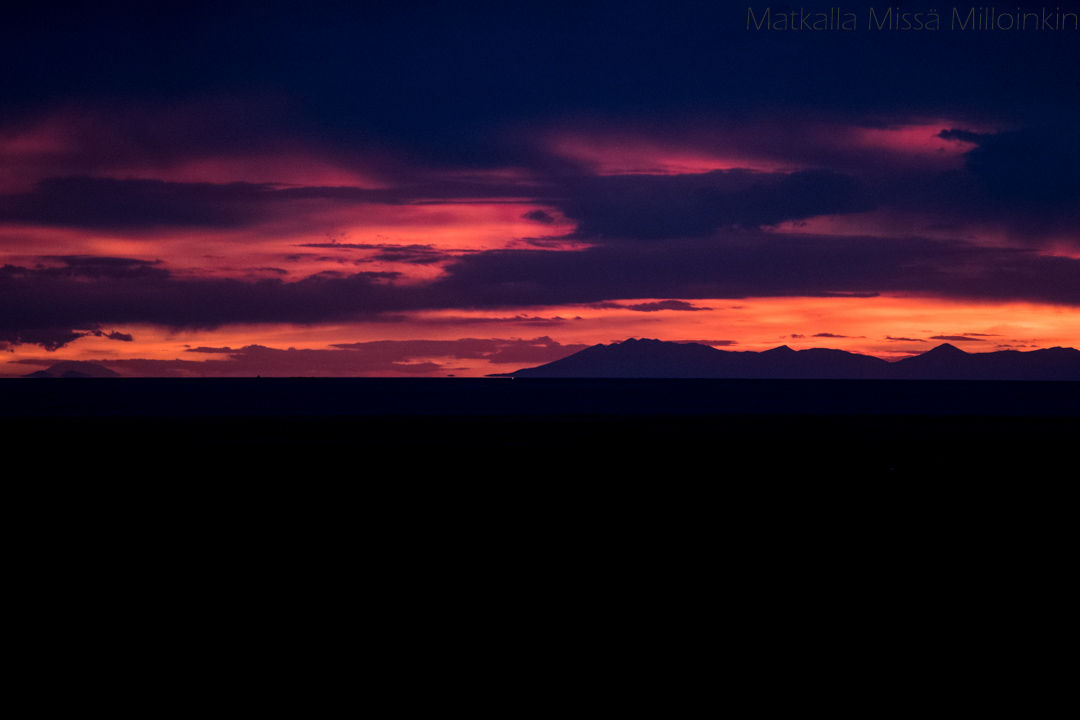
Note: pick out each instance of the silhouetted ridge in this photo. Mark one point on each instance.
(633, 358)
(647, 358)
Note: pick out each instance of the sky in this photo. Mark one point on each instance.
(372, 188)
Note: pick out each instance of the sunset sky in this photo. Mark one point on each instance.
(432, 188)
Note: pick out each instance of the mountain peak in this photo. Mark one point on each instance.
(946, 349)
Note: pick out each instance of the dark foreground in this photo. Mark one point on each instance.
(556, 428)
(886, 507)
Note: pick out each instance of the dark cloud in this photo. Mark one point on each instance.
(678, 305)
(103, 202)
(539, 350)
(713, 343)
(956, 338)
(102, 268)
(526, 320)
(409, 254)
(903, 339)
(83, 295)
(1036, 167)
(1023, 183)
(677, 206)
(414, 255)
(212, 350)
(548, 243)
(758, 265)
(96, 202)
(963, 135)
(116, 335)
(539, 216)
(51, 339)
(828, 335)
(109, 203)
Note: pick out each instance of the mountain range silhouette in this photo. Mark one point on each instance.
(660, 359)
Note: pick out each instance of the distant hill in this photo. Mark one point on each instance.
(75, 369)
(659, 359)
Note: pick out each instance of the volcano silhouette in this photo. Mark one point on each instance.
(75, 369)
